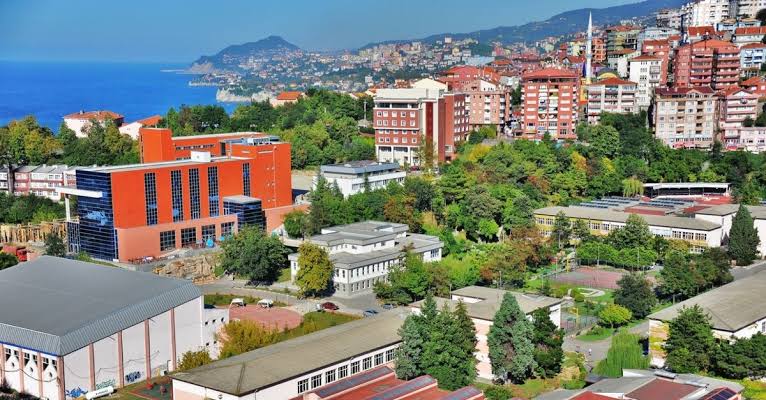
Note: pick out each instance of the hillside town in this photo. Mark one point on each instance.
(581, 217)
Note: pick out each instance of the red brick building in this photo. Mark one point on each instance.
(488, 102)
(712, 63)
(550, 102)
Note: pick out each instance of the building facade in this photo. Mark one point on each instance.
(736, 107)
(622, 37)
(611, 95)
(356, 176)
(38, 180)
(402, 118)
(686, 117)
(488, 102)
(712, 63)
(549, 99)
(89, 327)
(751, 57)
(81, 121)
(649, 73)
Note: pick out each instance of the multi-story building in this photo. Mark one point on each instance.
(712, 63)
(133, 129)
(355, 176)
(619, 60)
(159, 144)
(756, 84)
(402, 118)
(488, 101)
(670, 18)
(707, 12)
(42, 180)
(736, 105)
(656, 34)
(89, 327)
(649, 73)
(137, 211)
(363, 253)
(611, 95)
(550, 97)
(748, 35)
(748, 8)
(598, 46)
(622, 37)
(81, 121)
(686, 117)
(698, 233)
(751, 57)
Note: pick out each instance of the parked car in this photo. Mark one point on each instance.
(237, 302)
(388, 306)
(266, 303)
(327, 306)
(370, 313)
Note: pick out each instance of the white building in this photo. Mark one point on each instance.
(132, 129)
(610, 95)
(353, 176)
(646, 71)
(80, 121)
(289, 369)
(69, 327)
(363, 253)
(706, 12)
(481, 304)
(724, 215)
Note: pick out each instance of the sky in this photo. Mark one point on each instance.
(182, 30)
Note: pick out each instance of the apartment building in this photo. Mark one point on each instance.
(148, 210)
(751, 57)
(756, 84)
(38, 180)
(686, 117)
(708, 12)
(402, 118)
(648, 72)
(698, 233)
(611, 95)
(619, 60)
(736, 105)
(488, 102)
(549, 98)
(352, 177)
(81, 121)
(622, 37)
(363, 253)
(88, 327)
(713, 63)
(748, 35)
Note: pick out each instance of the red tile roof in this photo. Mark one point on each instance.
(701, 30)
(591, 396)
(734, 89)
(150, 121)
(98, 115)
(684, 90)
(612, 82)
(751, 30)
(661, 389)
(754, 81)
(551, 73)
(714, 43)
(289, 96)
(646, 57)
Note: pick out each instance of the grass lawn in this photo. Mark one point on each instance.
(598, 334)
(284, 275)
(754, 390)
(316, 321)
(607, 297)
(225, 299)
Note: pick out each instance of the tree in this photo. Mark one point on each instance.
(315, 270)
(193, 359)
(511, 351)
(744, 358)
(562, 228)
(676, 278)
(635, 293)
(743, 238)
(632, 187)
(409, 353)
(690, 341)
(624, 353)
(295, 223)
(604, 141)
(581, 231)
(614, 315)
(633, 235)
(7, 260)
(487, 229)
(407, 281)
(54, 246)
(253, 254)
(401, 209)
(241, 336)
(445, 355)
(548, 341)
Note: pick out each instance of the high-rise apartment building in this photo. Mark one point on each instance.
(610, 95)
(549, 99)
(686, 117)
(648, 73)
(712, 63)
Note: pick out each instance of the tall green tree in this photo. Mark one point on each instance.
(315, 270)
(54, 246)
(743, 238)
(635, 293)
(511, 351)
(634, 234)
(548, 341)
(444, 355)
(562, 229)
(624, 353)
(410, 352)
(690, 341)
(295, 223)
(253, 254)
(604, 141)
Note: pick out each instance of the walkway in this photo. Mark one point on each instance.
(598, 348)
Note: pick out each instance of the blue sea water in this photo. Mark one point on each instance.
(51, 90)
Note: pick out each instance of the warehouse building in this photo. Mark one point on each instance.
(69, 327)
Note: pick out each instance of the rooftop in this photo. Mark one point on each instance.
(270, 365)
(490, 300)
(76, 303)
(612, 82)
(153, 165)
(757, 212)
(731, 307)
(289, 96)
(98, 115)
(675, 91)
(359, 167)
(551, 73)
(661, 389)
(622, 217)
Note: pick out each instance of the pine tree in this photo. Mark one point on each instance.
(466, 338)
(409, 353)
(548, 341)
(743, 238)
(511, 351)
(690, 341)
(444, 356)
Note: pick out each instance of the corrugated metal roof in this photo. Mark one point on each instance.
(57, 306)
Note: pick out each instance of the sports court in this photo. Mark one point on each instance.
(590, 277)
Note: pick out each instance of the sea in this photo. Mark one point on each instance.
(49, 91)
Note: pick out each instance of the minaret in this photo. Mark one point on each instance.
(589, 51)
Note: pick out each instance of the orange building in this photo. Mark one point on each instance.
(712, 63)
(145, 210)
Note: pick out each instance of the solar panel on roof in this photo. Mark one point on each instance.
(462, 394)
(411, 386)
(353, 381)
(719, 394)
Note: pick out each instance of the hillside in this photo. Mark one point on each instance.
(230, 57)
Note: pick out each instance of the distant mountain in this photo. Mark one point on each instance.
(230, 57)
(562, 24)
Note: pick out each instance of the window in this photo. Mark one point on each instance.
(389, 355)
(316, 381)
(367, 363)
(246, 179)
(188, 236)
(354, 367)
(378, 359)
(303, 385)
(208, 232)
(227, 228)
(177, 195)
(212, 190)
(167, 240)
(150, 191)
(329, 376)
(343, 372)
(194, 192)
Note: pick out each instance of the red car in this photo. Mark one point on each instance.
(328, 306)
